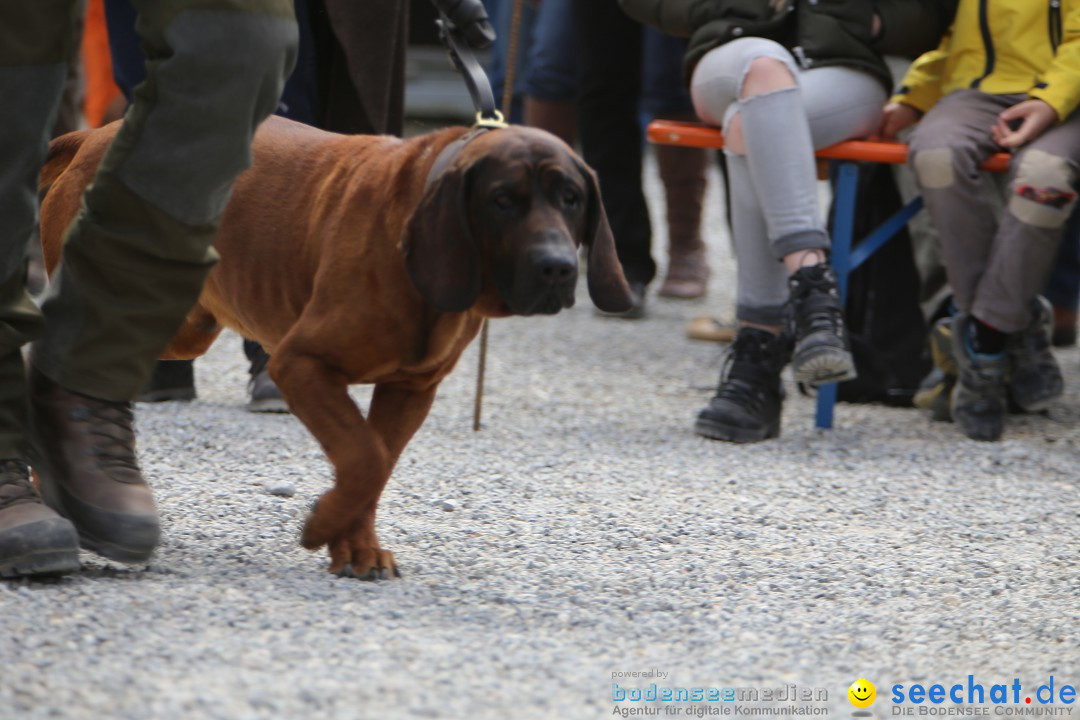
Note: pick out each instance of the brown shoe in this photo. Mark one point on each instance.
(687, 276)
(704, 327)
(84, 452)
(34, 540)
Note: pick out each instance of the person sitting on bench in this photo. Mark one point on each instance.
(1010, 80)
(782, 78)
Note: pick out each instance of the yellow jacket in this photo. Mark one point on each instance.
(1003, 47)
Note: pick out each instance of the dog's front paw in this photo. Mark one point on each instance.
(350, 536)
(363, 563)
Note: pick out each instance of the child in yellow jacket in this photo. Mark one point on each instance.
(1006, 76)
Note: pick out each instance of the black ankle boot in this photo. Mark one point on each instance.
(822, 354)
(748, 401)
(172, 380)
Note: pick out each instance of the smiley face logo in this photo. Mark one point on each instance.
(862, 693)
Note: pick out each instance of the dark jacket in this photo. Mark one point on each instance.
(817, 32)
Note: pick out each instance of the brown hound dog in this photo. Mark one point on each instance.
(370, 259)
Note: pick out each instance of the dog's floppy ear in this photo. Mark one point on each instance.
(441, 256)
(607, 284)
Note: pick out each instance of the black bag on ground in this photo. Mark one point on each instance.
(885, 323)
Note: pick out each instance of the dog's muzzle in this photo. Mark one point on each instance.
(545, 280)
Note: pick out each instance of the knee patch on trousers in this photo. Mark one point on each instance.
(1042, 192)
(934, 168)
(194, 119)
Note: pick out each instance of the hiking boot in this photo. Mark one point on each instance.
(34, 540)
(822, 354)
(83, 450)
(1034, 375)
(979, 400)
(263, 391)
(750, 395)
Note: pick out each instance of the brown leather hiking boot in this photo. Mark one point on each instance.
(84, 452)
(34, 540)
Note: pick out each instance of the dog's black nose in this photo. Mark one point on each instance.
(554, 267)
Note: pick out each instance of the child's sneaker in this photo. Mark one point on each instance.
(934, 393)
(1034, 375)
(941, 346)
(978, 402)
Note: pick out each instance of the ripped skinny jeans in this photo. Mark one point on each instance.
(773, 188)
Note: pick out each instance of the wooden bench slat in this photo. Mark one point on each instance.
(687, 134)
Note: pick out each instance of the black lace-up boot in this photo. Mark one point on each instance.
(822, 354)
(748, 401)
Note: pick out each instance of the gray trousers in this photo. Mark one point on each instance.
(137, 253)
(996, 262)
(774, 188)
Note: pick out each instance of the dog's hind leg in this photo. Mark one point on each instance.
(195, 336)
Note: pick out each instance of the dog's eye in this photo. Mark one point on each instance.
(571, 198)
(503, 201)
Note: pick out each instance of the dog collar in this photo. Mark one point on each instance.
(481, 126)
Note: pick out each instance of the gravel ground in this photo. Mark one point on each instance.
(584, 531)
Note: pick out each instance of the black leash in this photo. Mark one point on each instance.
(463, 27)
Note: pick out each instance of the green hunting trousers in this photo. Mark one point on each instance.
(137, 254)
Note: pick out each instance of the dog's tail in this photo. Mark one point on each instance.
(62, 151)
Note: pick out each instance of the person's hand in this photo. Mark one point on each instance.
(470, 17)
(895, 118)
(1034, 117)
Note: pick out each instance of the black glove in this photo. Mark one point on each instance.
(470, 18)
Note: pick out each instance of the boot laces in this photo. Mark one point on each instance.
(15, 484)
(112, 423)
(749, 368)
(817, 302)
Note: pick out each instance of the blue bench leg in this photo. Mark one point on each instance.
(847, 180)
